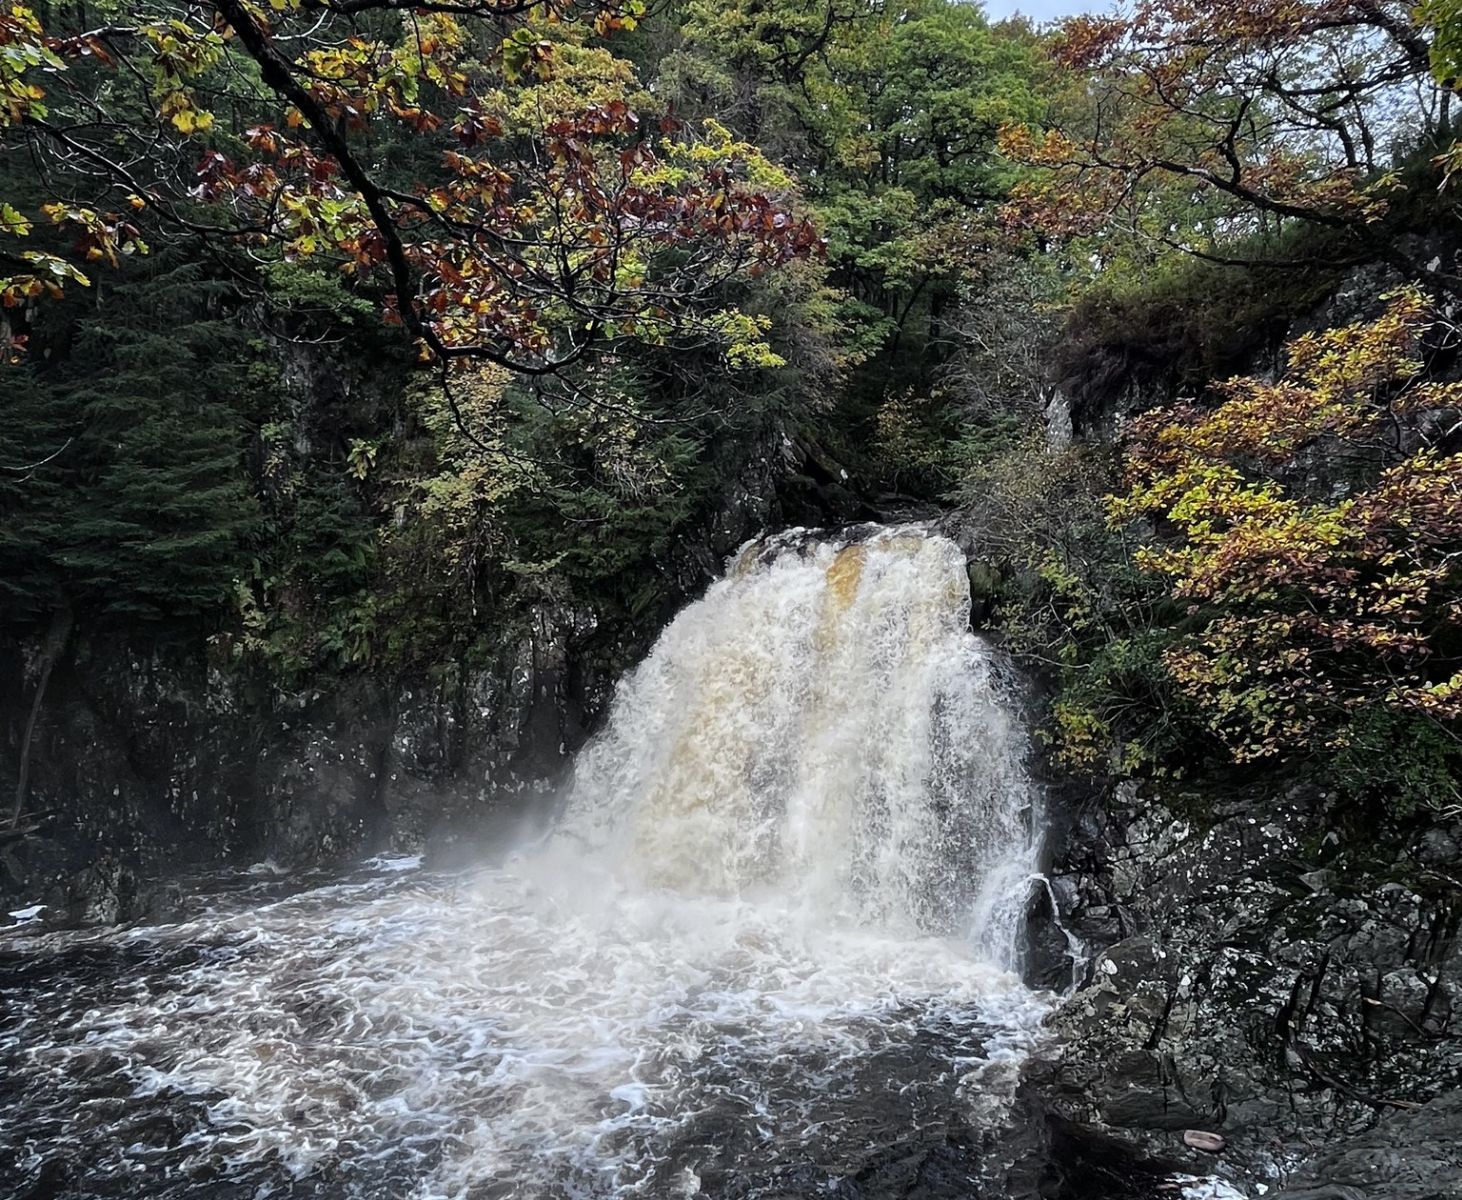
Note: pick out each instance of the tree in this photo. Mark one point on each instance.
(1197, 123)
(125, 490)
(1317, 616)
(480, 161)
(889, 116)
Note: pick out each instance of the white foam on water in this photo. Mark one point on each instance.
(777, 924)
(1210, 1187)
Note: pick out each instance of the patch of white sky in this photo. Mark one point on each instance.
(1042, 11)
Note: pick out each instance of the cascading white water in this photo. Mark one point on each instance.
(765, 952)
(823, 725)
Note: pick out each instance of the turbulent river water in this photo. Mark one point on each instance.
(767, 950)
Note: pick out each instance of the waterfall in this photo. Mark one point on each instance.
(823, 724)
(764, 954)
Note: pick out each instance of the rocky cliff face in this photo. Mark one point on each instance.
(1116, 361)
(148, 764)
(1236, 983)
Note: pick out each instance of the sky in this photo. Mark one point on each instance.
(1040, 10)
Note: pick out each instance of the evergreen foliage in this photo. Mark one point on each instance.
(125, 491)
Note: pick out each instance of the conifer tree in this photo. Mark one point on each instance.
(125, 489)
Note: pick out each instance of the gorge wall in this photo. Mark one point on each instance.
(153, 755)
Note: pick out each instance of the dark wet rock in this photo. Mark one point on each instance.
(1248, 988)
(1438, 847)
(147, 766)
(1058, 1159)
(1412, 1155)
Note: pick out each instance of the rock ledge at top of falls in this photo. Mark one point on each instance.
(1310, 1016)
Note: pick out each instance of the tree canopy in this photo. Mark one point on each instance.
(1201, 125)
(486, 164)
(339, 329)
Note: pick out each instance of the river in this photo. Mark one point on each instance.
(769, 948)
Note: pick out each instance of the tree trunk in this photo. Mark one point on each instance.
(57, 635)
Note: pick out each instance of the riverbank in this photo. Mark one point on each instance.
(1253, 976)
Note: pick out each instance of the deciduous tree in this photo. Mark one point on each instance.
(483, 163)
(1192, 123)
(1315, 611)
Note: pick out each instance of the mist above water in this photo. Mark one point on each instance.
(766, 952)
